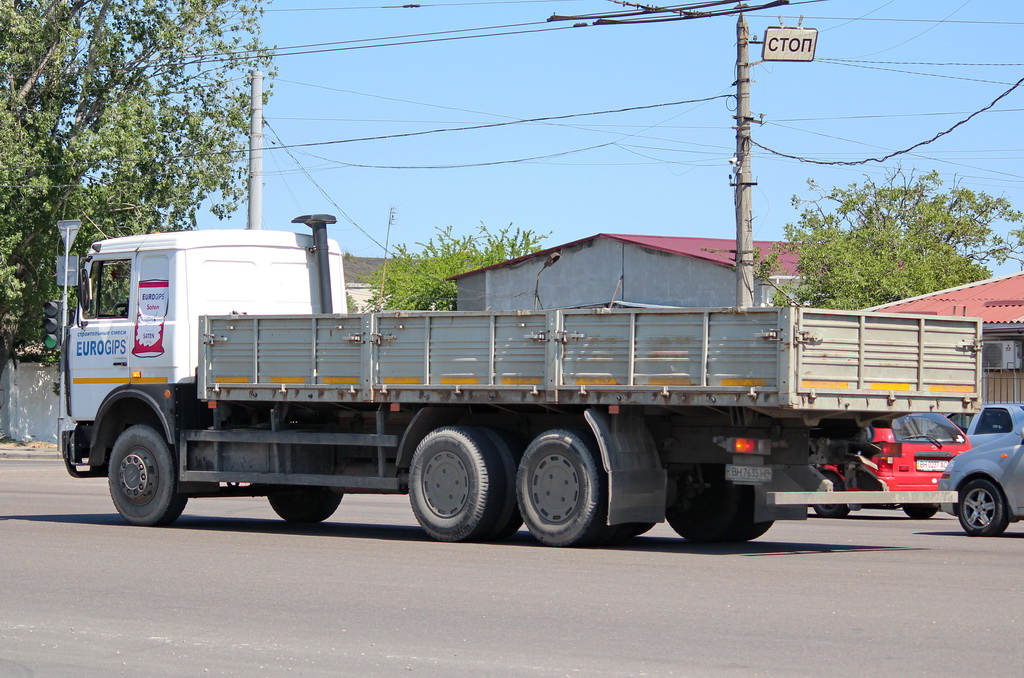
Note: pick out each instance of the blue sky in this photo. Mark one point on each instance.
(887, 75)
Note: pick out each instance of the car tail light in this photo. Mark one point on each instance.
(891, 450)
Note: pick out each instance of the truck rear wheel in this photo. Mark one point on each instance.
(717, 511)
(510, 450)
(305, 504)
(563, 490)
(141, 477)
(455, 484)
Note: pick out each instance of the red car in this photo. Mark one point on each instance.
(913, 451)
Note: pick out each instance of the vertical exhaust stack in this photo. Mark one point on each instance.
(318, 222)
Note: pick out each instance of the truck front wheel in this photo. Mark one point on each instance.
(142, 479)
(562, 489)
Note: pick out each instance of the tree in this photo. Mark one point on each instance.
(866, 245)
(419, 280)
(124, 114)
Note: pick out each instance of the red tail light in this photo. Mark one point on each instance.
(892, 450)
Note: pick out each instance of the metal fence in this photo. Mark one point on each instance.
(1003, 386)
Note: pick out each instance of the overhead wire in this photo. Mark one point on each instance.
(889, 156)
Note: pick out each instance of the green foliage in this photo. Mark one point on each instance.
(418, 280)
(122, 114)
(866, 245)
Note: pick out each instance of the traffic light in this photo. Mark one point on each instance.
(51, 325)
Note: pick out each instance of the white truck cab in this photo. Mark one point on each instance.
(142, 296)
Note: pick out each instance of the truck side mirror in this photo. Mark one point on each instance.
(84, 288)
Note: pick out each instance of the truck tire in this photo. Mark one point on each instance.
(562, 489)
(304, 504)
(455, 484)
(510, 450)
(721, 512)
(142, 480)
(982, 509)
(832, 510)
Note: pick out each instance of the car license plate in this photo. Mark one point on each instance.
(748, 474)
(931, 465)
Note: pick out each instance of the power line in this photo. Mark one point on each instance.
(420, 5)
(927, 21)
(897, 70)
(412, 134)
(895, 153)
(348, 45)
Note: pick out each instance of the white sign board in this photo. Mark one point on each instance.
(68, 230)
(789, 44)
(72, 271)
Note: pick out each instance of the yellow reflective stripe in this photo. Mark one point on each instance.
(521, 381)
(401, 380)
(885, 386)
(951, 389)
(814, 383)
(596, 381)
(341, 380)
(460, 380)
(669, 381)
(231, 380)
(149, 380)
(101, 380)
(287, 380)
(744, 382)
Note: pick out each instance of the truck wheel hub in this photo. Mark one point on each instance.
(136, 479)
(446, 484)
(555, 488)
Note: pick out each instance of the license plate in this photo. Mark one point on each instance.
(931, 465)
(748, 474)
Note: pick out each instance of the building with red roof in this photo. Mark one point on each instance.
(612, 269)
(999, 302)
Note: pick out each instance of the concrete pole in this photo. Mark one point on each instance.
(256, 154)
(743, 181)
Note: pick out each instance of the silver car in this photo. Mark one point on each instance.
(989, 478)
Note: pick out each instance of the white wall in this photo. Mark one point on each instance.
(28, 405)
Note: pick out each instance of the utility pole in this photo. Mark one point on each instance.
(742, 178)
(256, 154)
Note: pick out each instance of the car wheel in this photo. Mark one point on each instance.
(833, 510)
(982, 509)
(920, 511)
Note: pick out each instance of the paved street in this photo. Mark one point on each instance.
(231, 590)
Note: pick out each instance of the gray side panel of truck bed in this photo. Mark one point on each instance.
(780, 360)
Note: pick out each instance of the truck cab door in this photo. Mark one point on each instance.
(98, 343)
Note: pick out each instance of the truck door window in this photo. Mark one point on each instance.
(111, 289)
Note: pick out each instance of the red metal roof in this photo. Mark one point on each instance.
(720, 251)
(999, 300)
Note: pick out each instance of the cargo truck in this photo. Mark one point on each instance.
(213, 364)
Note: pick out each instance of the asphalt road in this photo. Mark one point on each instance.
(230, 590)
